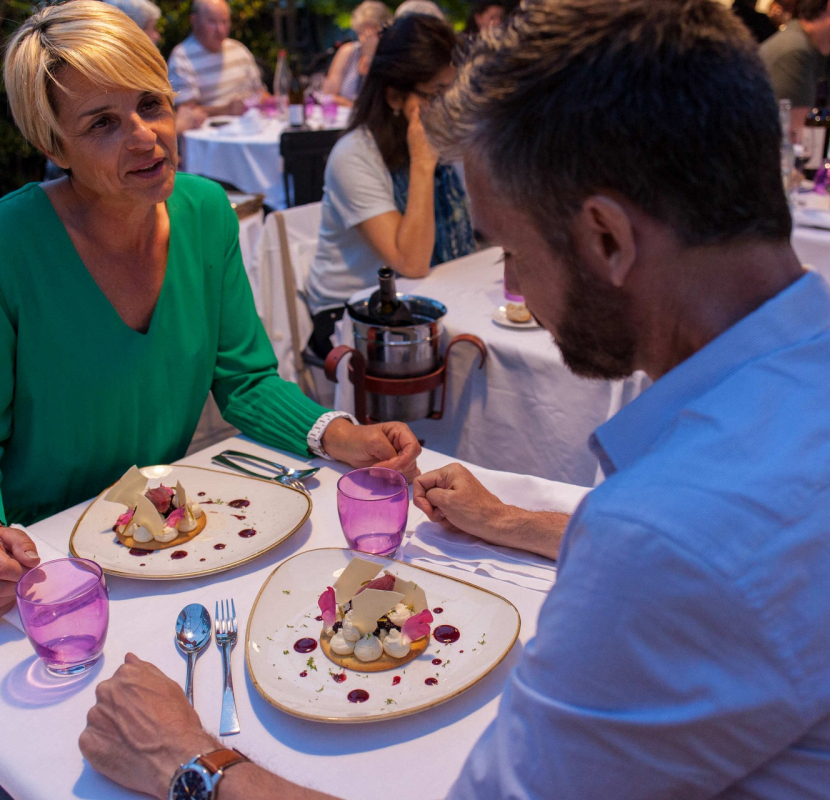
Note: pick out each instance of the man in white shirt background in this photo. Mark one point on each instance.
(210, 70)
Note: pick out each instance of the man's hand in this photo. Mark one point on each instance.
(388, 444)
(452, 497)
(142, 728)
(18, 555)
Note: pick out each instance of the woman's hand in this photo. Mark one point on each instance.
(388, 444)
(421, 152)
(18, 555)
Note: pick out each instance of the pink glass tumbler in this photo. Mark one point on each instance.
(373, 504)
(64, 608)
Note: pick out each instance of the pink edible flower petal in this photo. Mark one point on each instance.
(328, 606)
(169, 491)
(174, 518)
(416, 627)
(125, 517)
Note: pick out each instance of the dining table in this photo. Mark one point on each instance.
(244, 152)
(43, 716)
(524, 411)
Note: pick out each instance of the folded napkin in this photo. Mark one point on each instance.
(47, 553)
(428, 542)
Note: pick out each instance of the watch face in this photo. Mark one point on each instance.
(191, 784)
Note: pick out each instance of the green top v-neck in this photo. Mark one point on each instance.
(83, 396)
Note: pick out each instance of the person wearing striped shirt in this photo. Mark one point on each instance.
(210, 70)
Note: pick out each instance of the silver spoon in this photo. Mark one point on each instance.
(192, 636)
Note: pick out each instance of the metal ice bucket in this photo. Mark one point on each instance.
(406, 351)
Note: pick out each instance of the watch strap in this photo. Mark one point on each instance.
(314, 440)
(220, 760)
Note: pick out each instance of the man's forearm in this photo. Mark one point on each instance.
(536, 531)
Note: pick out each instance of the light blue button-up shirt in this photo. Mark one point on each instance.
(685, 649)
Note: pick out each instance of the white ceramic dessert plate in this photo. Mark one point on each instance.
(500, 318)
(273, 511)
(303, 684)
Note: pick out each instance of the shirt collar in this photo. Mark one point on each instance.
(798, 312)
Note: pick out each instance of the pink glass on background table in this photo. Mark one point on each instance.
(64, 608)
(373, 504)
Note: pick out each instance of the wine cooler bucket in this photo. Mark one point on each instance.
(397, 370)
(405, 351)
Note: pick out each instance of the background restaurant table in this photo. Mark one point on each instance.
(42, 717)
(525, 412)
(249, 161)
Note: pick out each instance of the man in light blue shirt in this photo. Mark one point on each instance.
(625, 153)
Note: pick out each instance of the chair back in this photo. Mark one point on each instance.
(304, 154)
(285, 253)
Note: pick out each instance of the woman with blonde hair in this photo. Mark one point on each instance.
(123, 299)
(351, 62)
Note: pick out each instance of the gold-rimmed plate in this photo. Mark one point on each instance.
(304, 684)
(245, 518)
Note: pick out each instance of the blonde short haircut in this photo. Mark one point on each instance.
(99, 41)
(370, 12)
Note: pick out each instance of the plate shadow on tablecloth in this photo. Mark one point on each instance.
(327, 739)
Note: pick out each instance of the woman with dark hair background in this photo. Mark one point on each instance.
(483, 15)
(387, 199)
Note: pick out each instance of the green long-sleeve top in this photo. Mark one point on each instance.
(83, 396)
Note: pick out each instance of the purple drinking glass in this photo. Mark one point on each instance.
(373, 504)
(64, 608)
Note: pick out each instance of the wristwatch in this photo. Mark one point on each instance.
(198, 779)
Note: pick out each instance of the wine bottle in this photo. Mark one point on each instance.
(816, 128)
(282, 85)
(384, 305)
(296, 101)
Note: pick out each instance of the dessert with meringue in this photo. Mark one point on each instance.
(371, 623)
(155, 518)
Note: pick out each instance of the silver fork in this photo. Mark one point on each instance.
(225, 622)
(285, 480)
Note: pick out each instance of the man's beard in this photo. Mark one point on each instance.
(595, 336)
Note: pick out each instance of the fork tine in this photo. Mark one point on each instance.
(233, 616)
(216, 623)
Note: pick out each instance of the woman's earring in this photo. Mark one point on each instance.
(396, 112)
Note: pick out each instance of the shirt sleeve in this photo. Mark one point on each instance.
(650, 676)
(793, 77)
(357, 181)
(7, 366)
(183, 77)
(249, 392)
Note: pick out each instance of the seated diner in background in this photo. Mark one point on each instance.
(209, 69)
(684, 651)
(351, 62)
(146, 15)
(484, 15)
(388, 200)
(123, 299)
(796, 59)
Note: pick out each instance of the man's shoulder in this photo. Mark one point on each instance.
(232, 47)
(186, 49)
(739, 466)
(790, 42)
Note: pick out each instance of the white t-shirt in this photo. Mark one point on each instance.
(358, 186)
(213, 79)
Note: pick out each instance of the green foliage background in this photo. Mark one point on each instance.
(319, 24)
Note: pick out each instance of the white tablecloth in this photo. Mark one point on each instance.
(250, 161)
(42, 717)
(525, 411)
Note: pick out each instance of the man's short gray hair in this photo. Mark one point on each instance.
(663, 101)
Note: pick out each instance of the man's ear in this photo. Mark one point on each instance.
(605, 237)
